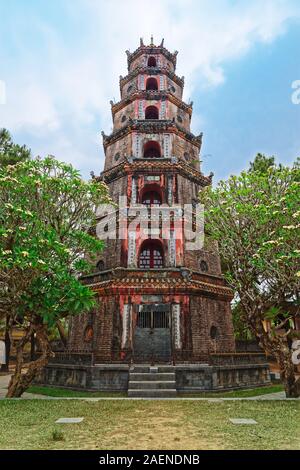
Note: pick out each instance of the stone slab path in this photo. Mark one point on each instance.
(4, 380)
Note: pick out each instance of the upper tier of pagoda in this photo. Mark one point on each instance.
(153, 50)
(151, 120)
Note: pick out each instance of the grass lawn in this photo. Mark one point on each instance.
(250, 392)
(121, 424)
(63, 392)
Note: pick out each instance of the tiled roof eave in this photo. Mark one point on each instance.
(146, 94)
(150, 126)
(143, 166)
(163, 286)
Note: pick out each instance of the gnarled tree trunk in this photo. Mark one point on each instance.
(278, 347)
(20, 380)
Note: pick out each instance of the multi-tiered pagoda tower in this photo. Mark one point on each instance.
(158, 301)
(163, 321)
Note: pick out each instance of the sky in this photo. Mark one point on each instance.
(60, 63)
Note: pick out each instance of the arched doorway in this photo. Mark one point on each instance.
(152, 150)
(152, 334)
(151, 255)
(151, 112)
(151, 84)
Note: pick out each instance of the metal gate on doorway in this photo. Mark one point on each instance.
(152, 334)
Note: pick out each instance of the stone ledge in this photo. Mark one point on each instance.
(189, 377)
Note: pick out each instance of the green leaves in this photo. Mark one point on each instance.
(11, 153)
(46, 210)
(255, 219)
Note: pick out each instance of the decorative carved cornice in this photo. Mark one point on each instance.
(143, 166)
(165, 281)
(151, 95)
(151, 49)
(151, 71)
(151, 126)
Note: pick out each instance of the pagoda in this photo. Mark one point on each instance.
(158, 301)
(162, 321)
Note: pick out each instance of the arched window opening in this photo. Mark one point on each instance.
(151, 112)
(151, 62)
(88, 334)
(203, 266)
(152, 150)
(100, 265)
(151, 84)
(151, 198)
(151, 255)
(214, 332)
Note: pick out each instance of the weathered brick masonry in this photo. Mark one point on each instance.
(157, 300)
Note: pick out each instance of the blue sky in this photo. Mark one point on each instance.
(61, 62)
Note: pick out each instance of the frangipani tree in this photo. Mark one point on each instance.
(255, 218)
(46, 211)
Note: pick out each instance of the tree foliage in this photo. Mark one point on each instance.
(11, 153)
(262, 163)
(255, 218)
(46, 211)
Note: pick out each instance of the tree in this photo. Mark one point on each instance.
(262, 163)
(10, 154)
(240, 326)
(255, 219)
(46, 211)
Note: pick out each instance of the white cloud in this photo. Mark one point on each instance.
(32, 109)
(65, 97)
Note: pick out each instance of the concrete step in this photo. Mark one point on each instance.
(147, 368)
(146, 393)
(151, 385)
(166, 369)
(147, 376)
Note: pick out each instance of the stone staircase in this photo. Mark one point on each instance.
(152, 381)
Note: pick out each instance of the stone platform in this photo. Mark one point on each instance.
(185, 377)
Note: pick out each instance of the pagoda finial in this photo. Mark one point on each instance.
(162, 43)
(151, 40)
(141, 42)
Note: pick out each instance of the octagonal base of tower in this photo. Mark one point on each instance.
(170, 319)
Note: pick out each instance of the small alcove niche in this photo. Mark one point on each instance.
(203, 266)
(88, 334)
(100, 265)
(151, 61)
(214, 333)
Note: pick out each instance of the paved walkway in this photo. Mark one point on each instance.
(4, 380)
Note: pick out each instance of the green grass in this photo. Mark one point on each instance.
(129, 424)
(67, 393)
(251, 392)
(64, 392)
